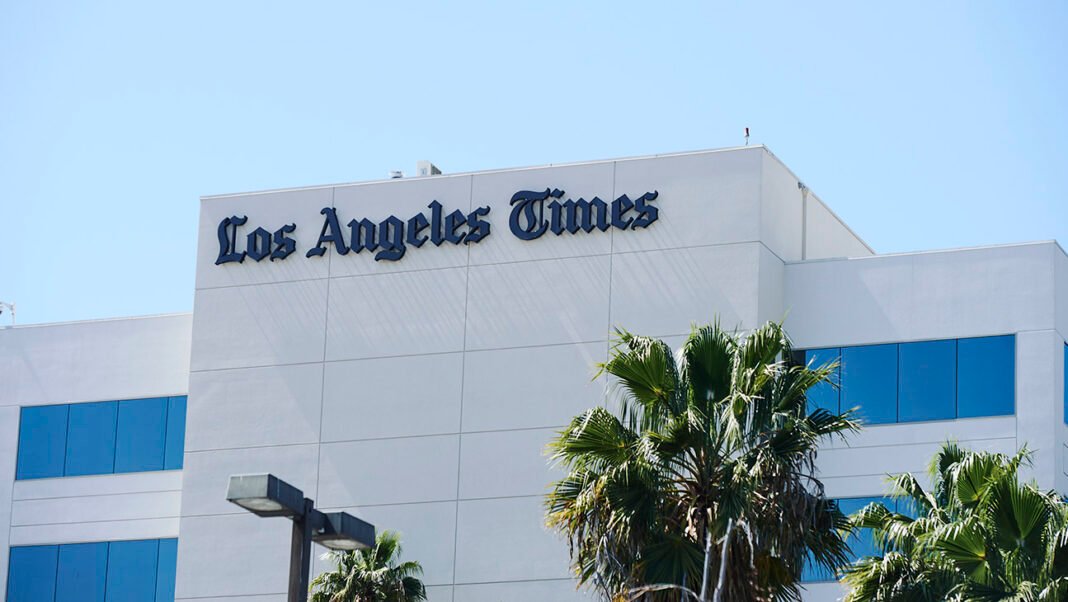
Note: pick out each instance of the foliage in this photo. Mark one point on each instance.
(714, 445)
(979, 535)
(371, 575)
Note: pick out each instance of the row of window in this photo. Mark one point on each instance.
(928, 380)
(116, 571)
(1065, 387)
(862, 543)
(106, 437)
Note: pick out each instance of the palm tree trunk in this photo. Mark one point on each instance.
(718, 596)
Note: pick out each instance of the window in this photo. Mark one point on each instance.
(986, 385)
(114, 571)
(869, 382)
(101, 437)
(1064, 378)
(42, 442)
(91, 438)
(860, 544)
(825, 394)
(80, 577)
(31, 573)
(927, 380)
(142, 433)
(927, 375)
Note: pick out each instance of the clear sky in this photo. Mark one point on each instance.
(923, 124)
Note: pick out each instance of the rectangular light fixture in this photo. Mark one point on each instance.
(265, 495)
(343, 531)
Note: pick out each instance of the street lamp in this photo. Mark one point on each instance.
(267, 495)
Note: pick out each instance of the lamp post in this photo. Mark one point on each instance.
(267, 495)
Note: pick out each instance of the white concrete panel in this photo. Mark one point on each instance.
(531, 387)
(895, 459)
(249, 407)
(935, 295)
(771, 294)
(495, 190)
(389, 471)
(265, 325)
(505, 540)
(506, 463)
(824, 592)
(439, 593)
(9, 429)
(270, 211)
(538, 303)
(207, 474)
(705, 198)
(935, 431)
(427, 534)
(232, 555)
(660, 293)
(396, 314)
(279, 597)
(1038, 361)
(392, 397)
(780, 209)
(110, 484)
(404, 199)
(98, 508)
(1060, 274)
(95, 361)
(150, 528)
(873, 485)
(826, 236)
(557, 590)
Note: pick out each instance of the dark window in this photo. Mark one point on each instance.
(175, 444)
(91, 438)
(165, 570)
(986, 382)
(31, 573)
(132, 570)
(825, 394)
(142, 432)
(869, 381)
(928, 376)
(80, 577)
(42, 442)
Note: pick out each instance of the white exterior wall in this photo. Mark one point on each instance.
(938, 295)
(82, 362)
(419, 394)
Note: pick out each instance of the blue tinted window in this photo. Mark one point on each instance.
(928, 381)
(175, 445)
(91, 438)
(165, 571)
(869, 380)
(132, 571)
(31, 575)
(81, 573)
(824, 395)
(862, 543)
(141, 435)
(986, 379)
(42, 441)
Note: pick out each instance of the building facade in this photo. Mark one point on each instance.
(403, 350)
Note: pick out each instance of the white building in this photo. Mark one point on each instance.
(417, 389)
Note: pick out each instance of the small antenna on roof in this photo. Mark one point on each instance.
(747, 136)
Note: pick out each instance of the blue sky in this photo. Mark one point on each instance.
(923, 124)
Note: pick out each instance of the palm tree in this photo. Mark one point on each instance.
(705, 482)
(978, 535)
(371, 575)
